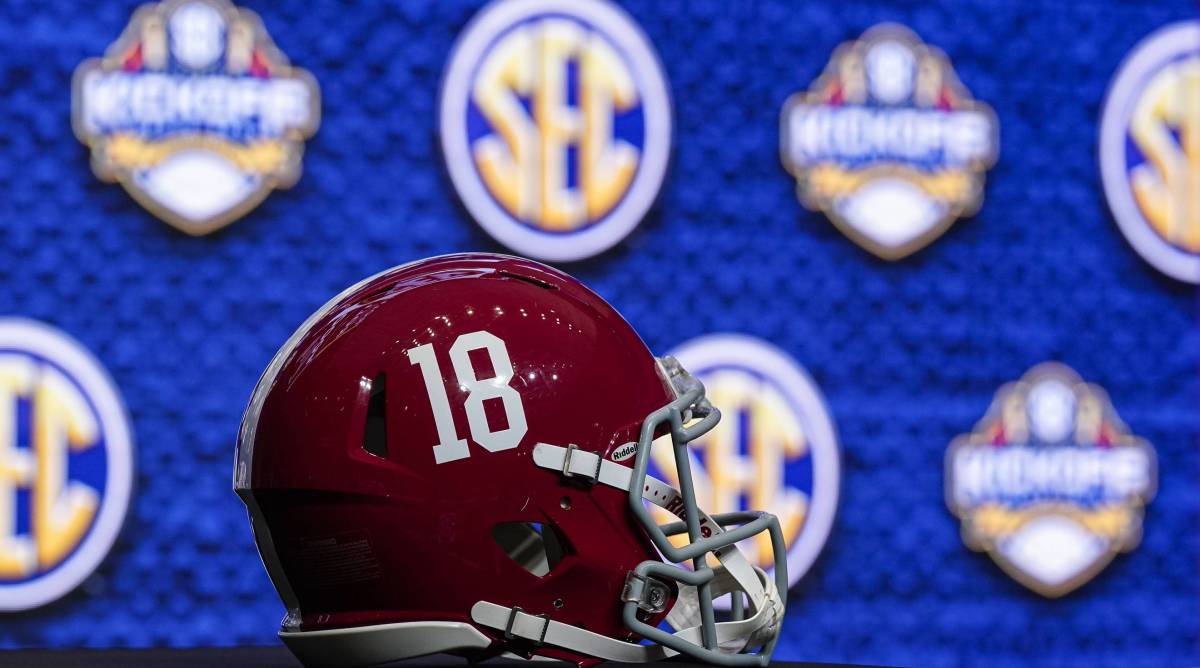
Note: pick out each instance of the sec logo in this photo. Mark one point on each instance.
(555, 125)
(195, 112)
(1050, 483)
(1150, 150)
(66, 464)
(889, 143)
(775, 448)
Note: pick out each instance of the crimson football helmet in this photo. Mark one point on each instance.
(451, 456)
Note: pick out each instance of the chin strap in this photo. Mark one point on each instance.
(541, 630)
(734, 575)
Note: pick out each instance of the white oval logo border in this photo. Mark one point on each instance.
(773, 363)
(621, 30)
(1130, 78)
(86, 370)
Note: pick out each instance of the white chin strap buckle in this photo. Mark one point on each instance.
(526, 619)
(568, 472)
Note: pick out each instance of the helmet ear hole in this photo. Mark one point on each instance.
(536, 547)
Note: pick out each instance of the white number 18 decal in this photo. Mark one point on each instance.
(450, 447)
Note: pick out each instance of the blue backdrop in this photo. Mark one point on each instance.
(908, 354)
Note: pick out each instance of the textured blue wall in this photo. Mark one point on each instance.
(908, 354)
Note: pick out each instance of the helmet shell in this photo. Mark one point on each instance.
(353, 535)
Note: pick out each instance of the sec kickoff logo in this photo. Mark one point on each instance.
(1150, 150)
(775, 448)
(66, 464)
(888, 142)
(555, 125)
(195, 112)
(1050, 483)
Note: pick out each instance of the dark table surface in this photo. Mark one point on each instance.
(240, 657)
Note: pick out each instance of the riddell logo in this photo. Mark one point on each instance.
(195, 112)
(624, 452)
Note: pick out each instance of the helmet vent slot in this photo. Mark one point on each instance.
(536, 547)
(528, 279)
(375, 428)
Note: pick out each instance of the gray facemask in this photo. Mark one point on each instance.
(748, 636)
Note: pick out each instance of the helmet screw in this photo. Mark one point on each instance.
(658, 597)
